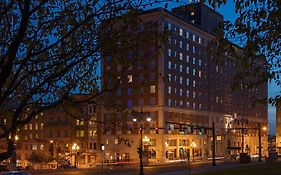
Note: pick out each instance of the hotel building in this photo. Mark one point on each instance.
(182, 92)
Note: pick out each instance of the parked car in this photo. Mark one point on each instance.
(20, 168)
(66, 167)
(29, 168)
(15, 173)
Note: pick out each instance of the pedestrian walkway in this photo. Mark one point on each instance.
(208, 168)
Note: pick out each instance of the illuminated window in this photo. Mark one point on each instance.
(169, 52)
(169, 65)
(187, 58)
(200, 62)
(130, 78)
(181, 32)
(187, 93)
(152, 89)
(34, 146)
(169, 102)
(169, 77)
(30, 126)
(187, 34)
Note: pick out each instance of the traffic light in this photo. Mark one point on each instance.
(140, 152)
(156, 130)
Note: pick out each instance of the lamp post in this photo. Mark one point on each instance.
(193, 145)
(102, 148)
(14, 155)
(140, 150)
(75, 148)
(260, 147)
(214, 145)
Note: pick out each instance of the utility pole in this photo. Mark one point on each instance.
(214, 145)
(259, 130)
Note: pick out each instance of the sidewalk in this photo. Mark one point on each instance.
(208, 168)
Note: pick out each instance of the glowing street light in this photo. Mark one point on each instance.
(140, 151)
(75, 148)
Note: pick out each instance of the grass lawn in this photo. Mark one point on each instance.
(257, 169)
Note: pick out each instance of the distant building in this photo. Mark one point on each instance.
(54, 132)
(179, 89)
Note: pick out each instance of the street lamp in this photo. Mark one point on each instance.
(75, 148)
(193, 145)
(140, 151)
(260, 147)
(102, 148)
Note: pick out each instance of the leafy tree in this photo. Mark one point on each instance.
(258, 31)
(51, 50)
(37, 158)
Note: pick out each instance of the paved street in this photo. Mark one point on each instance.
(169, 169)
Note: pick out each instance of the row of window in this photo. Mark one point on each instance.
(34, 147)
(187, 70)
(81, 133)
(129, 91)
(32, 136)
(180, 104)
(186, 34)
(181, 80)
(187, 47)
(181, 92)
(36, 126)
(152, 101)
(183, 142)
(187, 57)
(82, 122)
